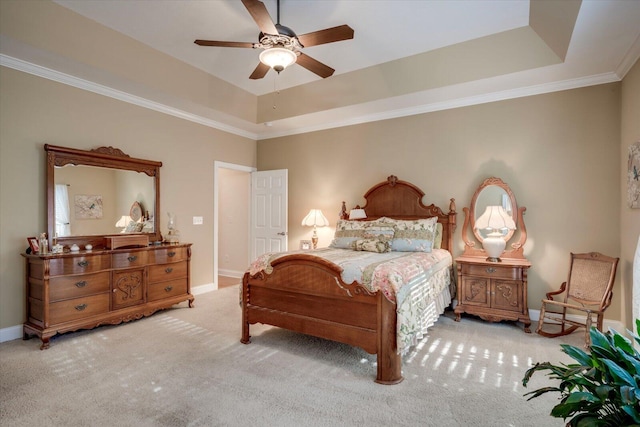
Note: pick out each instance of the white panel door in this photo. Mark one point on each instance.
(268, 212)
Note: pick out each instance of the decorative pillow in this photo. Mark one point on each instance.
(347, 232)
(372, 245)
(134, 227)
(437, 242)
(378, 232)
(414, 235)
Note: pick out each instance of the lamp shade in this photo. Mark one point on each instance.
(123, 221)
(278, 58)
(315, 218)
(495, 218)
(357, 214)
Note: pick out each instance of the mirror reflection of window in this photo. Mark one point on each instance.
(63, 211)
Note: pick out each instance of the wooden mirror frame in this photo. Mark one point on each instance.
(106, 157)
(514, 250)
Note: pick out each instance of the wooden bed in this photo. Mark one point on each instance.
(306, 294)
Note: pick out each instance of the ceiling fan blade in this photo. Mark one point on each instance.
(223, 44)
(259, 13)
(329, 35)
(315, 66)
(260, 71)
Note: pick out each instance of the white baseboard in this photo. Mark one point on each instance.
(11, 333)
(231, 273)
(201, 289)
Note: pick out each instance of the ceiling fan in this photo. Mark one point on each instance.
(282, 47)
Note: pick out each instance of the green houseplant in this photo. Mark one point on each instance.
(602, 388)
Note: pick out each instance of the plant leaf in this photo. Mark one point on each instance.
(619, 373)
(577, 354)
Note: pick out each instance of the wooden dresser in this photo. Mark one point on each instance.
(82, 290)
(494, 291)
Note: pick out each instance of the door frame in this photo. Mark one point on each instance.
(217, 165)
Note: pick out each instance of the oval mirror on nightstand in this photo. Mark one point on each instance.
(495, 193)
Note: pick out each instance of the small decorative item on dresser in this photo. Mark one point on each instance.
(43, 243)
(33, 244)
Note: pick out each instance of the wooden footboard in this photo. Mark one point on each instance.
(305, 294)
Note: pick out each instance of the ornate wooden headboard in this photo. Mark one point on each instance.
(398, 199)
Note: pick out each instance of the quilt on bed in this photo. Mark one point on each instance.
(418, 282)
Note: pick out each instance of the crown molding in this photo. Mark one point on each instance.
(57, 76)
(354, 118)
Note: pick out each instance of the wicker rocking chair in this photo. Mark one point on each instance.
(588, 289)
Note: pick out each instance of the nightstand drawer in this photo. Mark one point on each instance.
(498, 271)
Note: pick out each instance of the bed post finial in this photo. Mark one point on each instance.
(392, 179)
(343, 211)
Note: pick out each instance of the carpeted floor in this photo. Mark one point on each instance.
(186, 367)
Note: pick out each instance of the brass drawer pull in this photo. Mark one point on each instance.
(171, 254)
(491, 270)
(83, 264)
(168, 288)
(81, 284)
(132, 258)
(168, 270)
(81, 307)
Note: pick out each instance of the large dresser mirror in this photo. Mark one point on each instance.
(102, 192)
(494, 214)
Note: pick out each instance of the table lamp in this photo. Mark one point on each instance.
(495, 220)
(314, 219)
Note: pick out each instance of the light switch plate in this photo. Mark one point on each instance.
(198, 220)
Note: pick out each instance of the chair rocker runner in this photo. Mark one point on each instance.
(588, 289)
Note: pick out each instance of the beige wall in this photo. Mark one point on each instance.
(559, 153)
(35, 111)
(629, 218)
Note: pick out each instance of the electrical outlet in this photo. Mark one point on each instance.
(198, 220)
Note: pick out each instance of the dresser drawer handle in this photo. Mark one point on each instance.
(83, 264)
(81, 307)
(168, 288)
(81, 284)
(491, 270)
(132, 258)
(168, 270)
(171, 254)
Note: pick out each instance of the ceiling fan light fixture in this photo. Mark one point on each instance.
(278, 58)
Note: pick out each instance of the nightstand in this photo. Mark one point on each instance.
(494, 291)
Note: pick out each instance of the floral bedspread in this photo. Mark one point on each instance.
(418, 282)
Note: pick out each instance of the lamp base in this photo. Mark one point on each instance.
(314, 241)
(494, 246)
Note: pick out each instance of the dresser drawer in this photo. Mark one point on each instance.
(66, 287)
(164, 272)
(158, 291)
(497, 271)
(165, 255)
(79, 265)
(129, 259)
(79, 308)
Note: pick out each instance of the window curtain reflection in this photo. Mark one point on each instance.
(63, 215)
